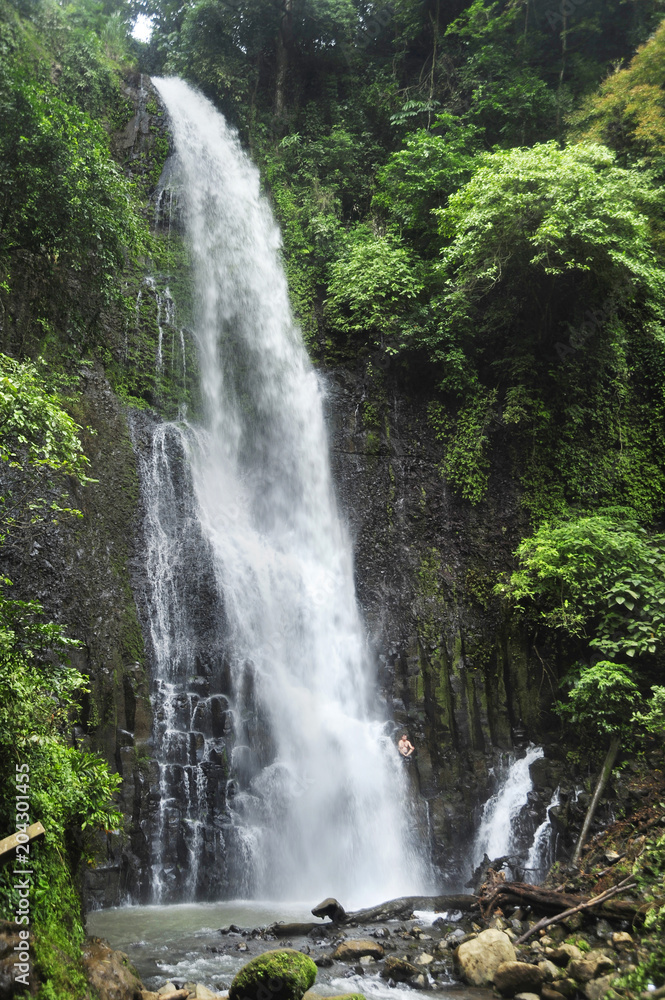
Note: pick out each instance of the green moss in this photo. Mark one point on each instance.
(286, 974)
(372, 443)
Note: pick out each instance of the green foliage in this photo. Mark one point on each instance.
(67, 786)
(374, 289)
(497, 87)
(597, 577)
(424, 173)
(33, 425)
(68, 789)
(63, 199)
(628, 112)
(37, 438)
(535, 224)
(649, 874)
(551, 297)
(466, 462)
(601, 697)
(652, 721)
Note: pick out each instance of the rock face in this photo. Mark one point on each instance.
(351, 951)
(110, 972)
(478, 960)
(457, 676)
(517, 977)
(274, 975)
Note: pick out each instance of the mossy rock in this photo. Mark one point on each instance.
(284, 974)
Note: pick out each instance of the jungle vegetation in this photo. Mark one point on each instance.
(471, 201)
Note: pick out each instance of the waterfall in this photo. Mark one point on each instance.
(316, 799)
(542, 852)
(498, 834)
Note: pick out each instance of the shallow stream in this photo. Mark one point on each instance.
(183, 943)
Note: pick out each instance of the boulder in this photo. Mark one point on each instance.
(109, 972)
(330, 907)
(549, 993)
(565, 987)
(622, 940)
(597, 988)
(166, 988)
(526, 996)
(550, 971)
(594, 965)
(478, 959)
(517, 977)
(399, 969)
(202, 992)
(351, 951)
(564, 954)
(284, 974)
(424, 959)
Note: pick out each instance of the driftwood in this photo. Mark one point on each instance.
(401, 909)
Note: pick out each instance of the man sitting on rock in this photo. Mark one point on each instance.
(404, 747)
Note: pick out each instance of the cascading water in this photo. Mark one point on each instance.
(498, 834)
(542, 852)
(317, 793)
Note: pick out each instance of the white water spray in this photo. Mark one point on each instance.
(327, 813)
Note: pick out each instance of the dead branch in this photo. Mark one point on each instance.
(623, 886)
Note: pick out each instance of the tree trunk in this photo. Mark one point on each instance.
(284, 41)
(603, 778)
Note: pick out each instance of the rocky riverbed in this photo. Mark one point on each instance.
(441, 953)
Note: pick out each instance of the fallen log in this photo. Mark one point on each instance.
(401, 909)
(552, 901)
(623, 886)
(293, 929)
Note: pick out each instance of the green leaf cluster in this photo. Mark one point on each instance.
(596, 577)
(374, 289)
(37, 439)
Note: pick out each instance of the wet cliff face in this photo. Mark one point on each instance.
(80, 571)
(463, 680)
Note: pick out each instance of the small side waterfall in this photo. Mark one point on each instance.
(543, 850)
(499, 834)
(276, 771)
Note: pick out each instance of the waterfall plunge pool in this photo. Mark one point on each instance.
(182, 942)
